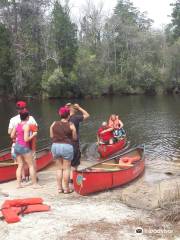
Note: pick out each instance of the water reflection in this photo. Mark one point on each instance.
(154, 121)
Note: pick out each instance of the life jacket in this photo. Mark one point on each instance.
(12, 208)
(104, 137)
(33, 128)
(129, 160)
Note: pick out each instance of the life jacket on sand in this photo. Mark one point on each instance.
(12, 208)
(129, 160)
(33, 128)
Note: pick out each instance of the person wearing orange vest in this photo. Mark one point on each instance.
(115, 123)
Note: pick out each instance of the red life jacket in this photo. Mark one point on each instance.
(12, 208)
(104, 136)
(129, 160)
(33, 128)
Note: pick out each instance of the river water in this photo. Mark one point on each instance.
(153, 120)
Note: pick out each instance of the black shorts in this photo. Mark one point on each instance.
(77, 155)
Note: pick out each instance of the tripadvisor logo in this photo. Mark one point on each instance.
(139, 230)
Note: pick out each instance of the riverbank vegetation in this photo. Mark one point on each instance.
(43, 52)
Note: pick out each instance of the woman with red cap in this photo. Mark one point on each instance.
(63, 133)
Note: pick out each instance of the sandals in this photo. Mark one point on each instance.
(67, 191)
(60, 190)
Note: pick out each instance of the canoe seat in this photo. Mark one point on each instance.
(94, 169)
(118, 165)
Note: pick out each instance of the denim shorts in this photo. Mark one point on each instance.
(62, 150)
(20, 149)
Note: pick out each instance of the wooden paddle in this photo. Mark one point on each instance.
(118, 165)
(4, 164)
(104, 169)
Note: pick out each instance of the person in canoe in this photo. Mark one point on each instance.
(63, 133)
(21, 134)
(117, 125)
(105, 134)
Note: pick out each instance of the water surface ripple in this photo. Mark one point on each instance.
(154, 121)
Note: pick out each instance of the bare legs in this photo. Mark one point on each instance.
(59, 174)
(63, 174)
(28, 159)
(66, 174)
(19, 171)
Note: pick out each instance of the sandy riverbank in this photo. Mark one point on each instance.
(111, 215)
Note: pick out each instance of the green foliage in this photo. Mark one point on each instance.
(88, 73)
(41, 54)
(176, 19)
(64, 37)
(173, 70)
(6, 63)
(56, 85)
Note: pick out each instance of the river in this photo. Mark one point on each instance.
(153, 120)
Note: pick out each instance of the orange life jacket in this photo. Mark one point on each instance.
(33, 128)
(12, 208)
(129, 160)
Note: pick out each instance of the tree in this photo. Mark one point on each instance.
(6, 63)
(23, 19)
(91, 26)
(176, 19)
(63, 38)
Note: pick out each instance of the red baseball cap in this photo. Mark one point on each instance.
(21, 104)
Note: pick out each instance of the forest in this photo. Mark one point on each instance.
(45, 53)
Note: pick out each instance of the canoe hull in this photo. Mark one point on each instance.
(5, 155)
(8, 171)
(107, 150)
(86, 183)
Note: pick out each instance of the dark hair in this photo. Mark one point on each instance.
(24, 115)
(65, 115)
(64, 112)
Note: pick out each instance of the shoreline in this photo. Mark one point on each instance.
(164, 92)
(112, 214)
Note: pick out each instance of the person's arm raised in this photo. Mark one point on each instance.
(84, 112)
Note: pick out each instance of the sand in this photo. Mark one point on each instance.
(111, 215)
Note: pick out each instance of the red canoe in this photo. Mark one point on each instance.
(110, 173)
(8, 167)
(5, 154)
(106, 150)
